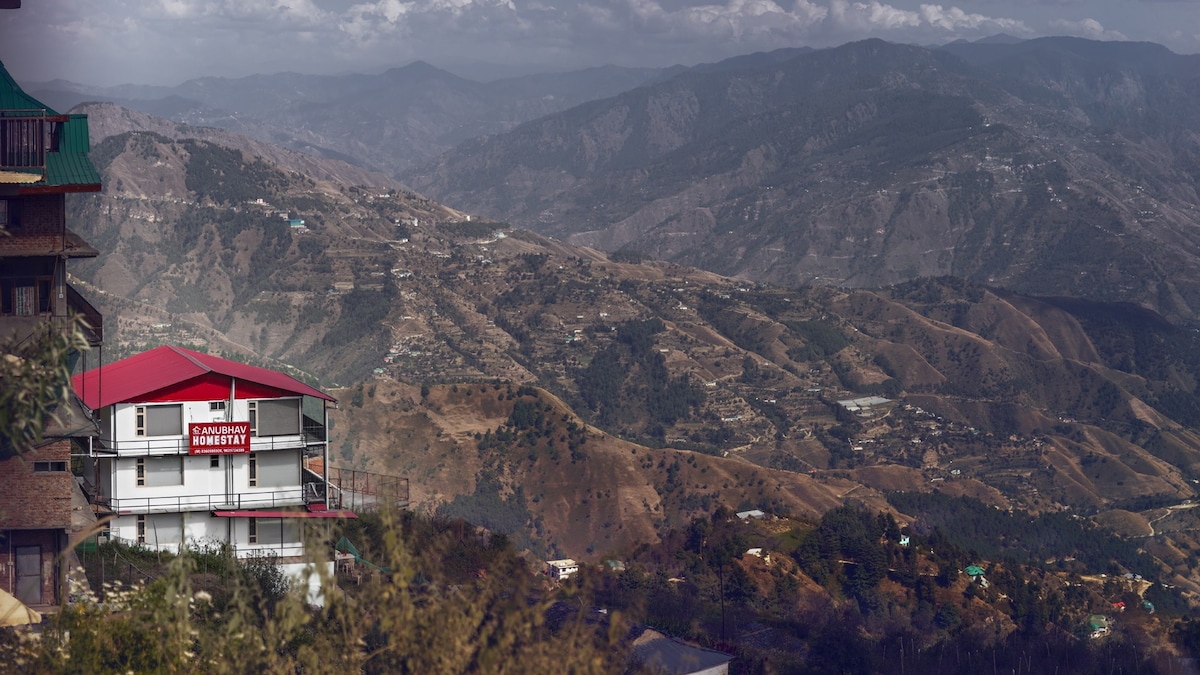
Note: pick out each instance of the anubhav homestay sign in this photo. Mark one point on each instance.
(219, 438)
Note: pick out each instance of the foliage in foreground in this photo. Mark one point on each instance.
(35, 379)
(415, 619)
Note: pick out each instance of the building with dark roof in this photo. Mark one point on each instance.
(43, 158)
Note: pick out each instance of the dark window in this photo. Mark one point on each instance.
(278, 417)
(49, 467)
(160, 420)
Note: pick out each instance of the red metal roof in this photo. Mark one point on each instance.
(285, 514)
(138, 377)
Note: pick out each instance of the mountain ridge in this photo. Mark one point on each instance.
(867, 165)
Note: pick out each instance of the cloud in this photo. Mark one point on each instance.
(1088, 28)
(866, 16)
(167, 41)
(955, 19)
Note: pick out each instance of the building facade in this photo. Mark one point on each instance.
(43, 158)
(195, 450)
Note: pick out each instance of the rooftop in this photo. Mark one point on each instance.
(43, 151)
(156, 371)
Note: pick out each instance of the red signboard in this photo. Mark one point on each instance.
(219, 438)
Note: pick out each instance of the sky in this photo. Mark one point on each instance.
(166, 42)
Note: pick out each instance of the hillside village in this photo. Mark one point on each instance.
(428, 414)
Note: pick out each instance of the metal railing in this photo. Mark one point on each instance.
(24, 137)
(204, 502)
(178, 445)
(363, 490)
(94, 320)
(286, 549)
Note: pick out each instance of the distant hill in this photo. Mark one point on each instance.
(1037, 403)
(384, 122)
(1057, 166)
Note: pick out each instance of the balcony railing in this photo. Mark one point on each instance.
(94, 320)
(204, 502)
(362, 490)
(286, 549)
(178, 445)
(24, 138)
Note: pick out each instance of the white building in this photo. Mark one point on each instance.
(197, 450)
(561, 569)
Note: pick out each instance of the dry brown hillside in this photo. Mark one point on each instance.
(580, 491)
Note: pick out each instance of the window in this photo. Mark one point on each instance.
(276, 417)
(214, 462)
(160, 528)
(216, 406)
(26, 286)
(27, 296)
(4, 213)
(159, 420)
(275, 469)
(253, 418)
(49, 467)
(160, 471)
(273, 531)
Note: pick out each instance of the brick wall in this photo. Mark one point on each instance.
(31, 499)
(38, 214)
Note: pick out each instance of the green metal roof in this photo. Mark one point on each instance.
(69, 166)
(12, 97)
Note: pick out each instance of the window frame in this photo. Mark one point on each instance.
(42, 301)
(50, 466)
(142, 420)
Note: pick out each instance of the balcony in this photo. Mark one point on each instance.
(264, 499)
(178, 445)
(365, 491)
(280, 552)
(25, 137)
(93, 328)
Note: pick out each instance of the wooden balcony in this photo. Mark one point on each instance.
(25, 138)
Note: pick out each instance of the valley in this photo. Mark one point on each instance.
(1025, 397)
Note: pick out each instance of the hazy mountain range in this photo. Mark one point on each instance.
(948, 284)
(1018, 401)
(1054, 166)
(1050, 166)
(386, 122)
